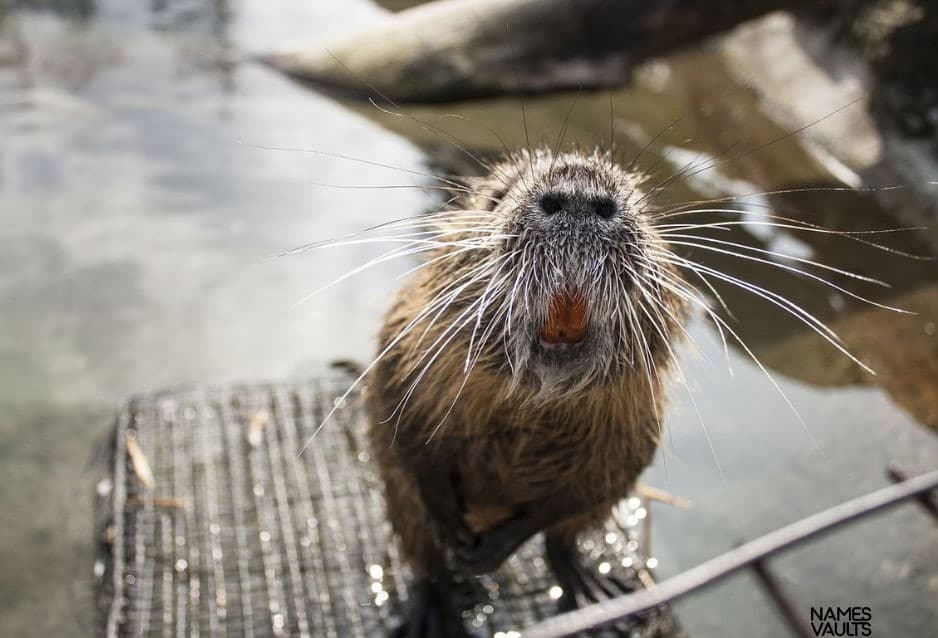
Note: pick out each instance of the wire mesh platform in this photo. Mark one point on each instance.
(209, 522)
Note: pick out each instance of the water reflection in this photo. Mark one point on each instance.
(135, 242)
(78, 9)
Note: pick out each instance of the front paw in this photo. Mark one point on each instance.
(452, 533)
(487, 550)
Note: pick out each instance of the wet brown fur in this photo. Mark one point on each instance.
(507, 446)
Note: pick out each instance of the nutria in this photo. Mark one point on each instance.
(519, 382)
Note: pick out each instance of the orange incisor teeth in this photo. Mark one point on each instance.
(566, 318)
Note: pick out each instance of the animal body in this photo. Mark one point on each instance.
(519, 385)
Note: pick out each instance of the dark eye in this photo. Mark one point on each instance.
(605, 208)
(551, 204)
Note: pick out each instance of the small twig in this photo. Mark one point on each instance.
(646, 531)
(647, 580)
(259, 421)
(165, 502)
(140, 463)
(654, 494)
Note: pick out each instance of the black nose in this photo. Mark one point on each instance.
(552, 204)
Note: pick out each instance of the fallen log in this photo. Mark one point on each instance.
(458, 49)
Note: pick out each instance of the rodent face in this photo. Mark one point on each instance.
(584, 298)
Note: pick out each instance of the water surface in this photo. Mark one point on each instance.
(139, 217)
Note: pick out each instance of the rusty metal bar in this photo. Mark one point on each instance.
(782, 599)
(926, 500)
(610, 611)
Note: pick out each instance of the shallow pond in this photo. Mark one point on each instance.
(141, 217)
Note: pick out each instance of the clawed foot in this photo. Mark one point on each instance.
(583, 585)
(431, 614)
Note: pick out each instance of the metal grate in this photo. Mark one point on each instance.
(210, 522)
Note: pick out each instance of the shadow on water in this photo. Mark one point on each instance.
(138, 220)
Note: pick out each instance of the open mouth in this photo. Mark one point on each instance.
(567, 319)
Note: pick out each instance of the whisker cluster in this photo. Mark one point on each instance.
(493, 271)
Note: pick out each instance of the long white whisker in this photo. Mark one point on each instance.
(809, 262)
(384, 257)
(788, 223)
(677, 288)
(818, 189)
(451, 182)
(444, 304)
(466, 374)
(437, 347)
(421, 220)
(683, 378)
(797, 271)
(778, 300)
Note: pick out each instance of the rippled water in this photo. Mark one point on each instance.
(139, 216)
